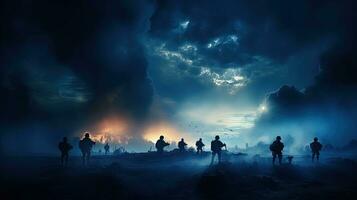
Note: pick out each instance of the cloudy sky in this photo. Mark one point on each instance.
(129, 71)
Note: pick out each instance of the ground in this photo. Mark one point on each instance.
(173, 176)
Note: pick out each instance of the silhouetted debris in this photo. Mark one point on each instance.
(119, 151)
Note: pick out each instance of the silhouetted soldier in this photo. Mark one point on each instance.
(315, 147)
(216, 147)
(160, 144)
(199, 146)
(276, 148)
(64, 147)
(182, 145)
(106, 148)
(86, 145)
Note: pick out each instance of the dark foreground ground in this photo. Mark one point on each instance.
(147, 176)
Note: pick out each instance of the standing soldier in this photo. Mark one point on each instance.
(64, 147)
(85, 145)
(199, 146)
(216, 147)
(315, 147)
(106, 148)
(276, 148)
(160, 144)
(182, 145)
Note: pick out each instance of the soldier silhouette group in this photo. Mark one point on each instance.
(86, 144)
(277, 150)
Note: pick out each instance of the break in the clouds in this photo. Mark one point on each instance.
(188, 62)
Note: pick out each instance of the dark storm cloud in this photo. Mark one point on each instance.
(336, 83)
(271, 42)
(272, 28)
(69, 63)
(326, 109)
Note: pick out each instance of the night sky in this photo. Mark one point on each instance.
(130, 71)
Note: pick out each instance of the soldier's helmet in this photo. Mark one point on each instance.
(316, 139)
(161, 137)
(217, 137)
(86, 135)
(64, 139)
(278, 138)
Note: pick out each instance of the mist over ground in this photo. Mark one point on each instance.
(180, 176)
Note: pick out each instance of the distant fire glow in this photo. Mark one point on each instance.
(153, 132)
(112, 130)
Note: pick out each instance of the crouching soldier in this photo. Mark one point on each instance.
(182, 145)
(199, 146)
(160, 144)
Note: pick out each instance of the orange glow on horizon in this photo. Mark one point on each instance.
(111, 129)
(117, 130)
(154, 131)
